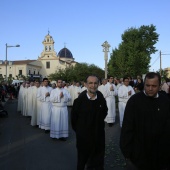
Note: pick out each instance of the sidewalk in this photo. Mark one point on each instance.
(23, 147)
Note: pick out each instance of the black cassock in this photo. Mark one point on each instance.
(145, 133)
(87, 118)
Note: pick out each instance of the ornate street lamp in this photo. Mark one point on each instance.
(6, 61)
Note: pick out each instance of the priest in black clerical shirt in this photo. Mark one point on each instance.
(145, 133)
(87, 118)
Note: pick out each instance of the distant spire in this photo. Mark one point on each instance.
(65, 49)
(65, 45)
(48, 31)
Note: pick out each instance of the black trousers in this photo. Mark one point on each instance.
(3, 97)
(130, 166)
(90, 160)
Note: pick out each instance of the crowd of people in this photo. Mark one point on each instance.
(8, 91)
(94, 103)
(37, 100)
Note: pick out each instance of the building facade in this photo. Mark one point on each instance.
(47, 63)
(167, 71)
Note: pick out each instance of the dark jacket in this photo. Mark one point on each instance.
(145, 133)
(87, 119)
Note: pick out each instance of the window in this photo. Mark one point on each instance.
(34, 72)
(20, 72)
(62, 62)
(47, 64)
(29, 72)
(10, 63)
(38, 72)
(10, 75)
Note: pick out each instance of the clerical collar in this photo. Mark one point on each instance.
(157, 95)
(90, 97)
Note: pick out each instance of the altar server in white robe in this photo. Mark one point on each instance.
(84, 87)
(34, 103)
(59, 118)
(72, 93)
(101, 88)
(20, 98)
(67, 86)
(77, 90)
(45, 106)
(118, 84)
(30, 99)
(25, 99)
(38, 102)
(109, 94)
(124, 93)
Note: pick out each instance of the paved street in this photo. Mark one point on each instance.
(23, 147)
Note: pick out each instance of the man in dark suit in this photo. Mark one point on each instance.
(145, 133)
(87, 118)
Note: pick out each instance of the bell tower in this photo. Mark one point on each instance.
(48, 51)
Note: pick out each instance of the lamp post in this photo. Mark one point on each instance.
(106, 47)
(7, 46)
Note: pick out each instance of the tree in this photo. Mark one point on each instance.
(132, 57)
(1, 78)
(77, 73)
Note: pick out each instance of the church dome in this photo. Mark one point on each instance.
(65, 53)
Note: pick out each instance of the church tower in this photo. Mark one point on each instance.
(48, 51)
(50, 61)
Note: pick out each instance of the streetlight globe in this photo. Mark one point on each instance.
(8, 46)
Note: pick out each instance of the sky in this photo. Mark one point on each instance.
(82, 26)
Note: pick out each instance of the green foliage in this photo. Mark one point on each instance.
(132, 57)
(2, 78)
(77, 73)
(10, 78)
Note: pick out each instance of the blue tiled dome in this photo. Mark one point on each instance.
(65, 53)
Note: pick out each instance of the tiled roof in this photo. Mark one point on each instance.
(23, 61)
(18, 62)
